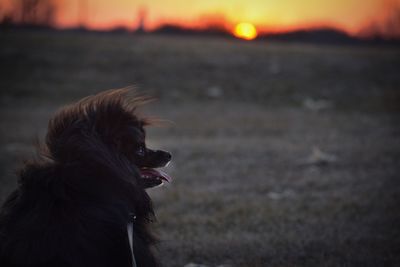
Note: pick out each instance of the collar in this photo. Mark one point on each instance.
(129, 228)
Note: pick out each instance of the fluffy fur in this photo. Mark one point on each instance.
(73, 202)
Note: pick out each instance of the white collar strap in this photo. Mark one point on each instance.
(130, 237)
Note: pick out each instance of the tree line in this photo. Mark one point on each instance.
(29, 13)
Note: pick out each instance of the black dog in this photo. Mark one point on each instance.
(77, 202)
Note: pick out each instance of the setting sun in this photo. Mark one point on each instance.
(245, 31)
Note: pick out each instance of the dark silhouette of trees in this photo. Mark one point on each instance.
(142, 16)
(31, 13)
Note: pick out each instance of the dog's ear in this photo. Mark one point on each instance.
(108, 117)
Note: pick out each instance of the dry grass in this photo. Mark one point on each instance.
(241, 195)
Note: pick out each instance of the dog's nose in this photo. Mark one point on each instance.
(164, 157)
(165, 154)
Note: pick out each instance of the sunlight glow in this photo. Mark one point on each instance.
(356, 17)
(245, 31)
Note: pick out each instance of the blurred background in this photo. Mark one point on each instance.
(285, 117)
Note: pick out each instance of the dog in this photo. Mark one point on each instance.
(82, 201)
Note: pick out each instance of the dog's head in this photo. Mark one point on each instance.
(104, 130)
(132, 144)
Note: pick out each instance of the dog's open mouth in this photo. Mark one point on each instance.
(152, 177)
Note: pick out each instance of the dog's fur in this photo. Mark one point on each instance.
(73, 202)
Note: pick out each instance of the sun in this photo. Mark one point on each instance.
(245, 31)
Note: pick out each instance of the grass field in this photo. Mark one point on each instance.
(245, 119)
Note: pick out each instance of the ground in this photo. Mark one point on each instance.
(246, 122)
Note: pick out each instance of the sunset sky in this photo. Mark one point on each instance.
(272, 15)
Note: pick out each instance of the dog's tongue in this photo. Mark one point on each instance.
(152, 173)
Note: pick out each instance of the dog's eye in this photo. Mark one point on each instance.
(141, 151)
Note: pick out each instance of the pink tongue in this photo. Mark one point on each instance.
(156, 173)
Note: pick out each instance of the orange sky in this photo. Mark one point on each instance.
(272, 15)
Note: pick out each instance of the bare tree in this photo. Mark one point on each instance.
(34, 12)
(6, 17)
